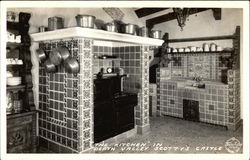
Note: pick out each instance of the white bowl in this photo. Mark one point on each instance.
(13, 81)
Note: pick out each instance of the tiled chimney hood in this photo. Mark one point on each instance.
(94, 34)
(74, 124)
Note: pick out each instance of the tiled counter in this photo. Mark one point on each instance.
(213, 106)
(219, 103)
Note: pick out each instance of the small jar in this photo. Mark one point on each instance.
(213, 47)
(206, 47)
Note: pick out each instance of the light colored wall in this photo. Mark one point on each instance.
(204, 25)
(40, 15)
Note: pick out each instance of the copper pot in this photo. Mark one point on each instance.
(71, 65)
(41, 55)
(130, 28)
(156, 34)
(57, 55)
(86, 21)
(49, 66)
(111, 27)
(55, 23)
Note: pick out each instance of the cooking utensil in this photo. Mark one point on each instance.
(206, 47)
(213, 47)
(199, 49)
(143, 32)
(180, 49)
(156, 34)
(175, 49)
(71, 65)
(219, 48)
(42, 29)
(57, 55)
(86, 21)
(9, 74)
(40, 55)
(187, 49)
(129, 28)
(49, 66)
(111, 27)
(55, 23)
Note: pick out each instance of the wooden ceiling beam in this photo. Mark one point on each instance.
(217, 13)
(170, 16)
(142, 12)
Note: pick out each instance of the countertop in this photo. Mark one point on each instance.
(185, 83)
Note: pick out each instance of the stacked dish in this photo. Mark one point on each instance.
(14, 81)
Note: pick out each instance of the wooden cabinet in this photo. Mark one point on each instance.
(21, 114)
(21, 132)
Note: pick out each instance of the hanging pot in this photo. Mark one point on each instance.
(71, 65)
(49, 66)
(57, 55)
(41, 55)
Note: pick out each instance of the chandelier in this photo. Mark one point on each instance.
(181, 15)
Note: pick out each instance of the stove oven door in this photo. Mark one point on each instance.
(124, 109)
(104, 121)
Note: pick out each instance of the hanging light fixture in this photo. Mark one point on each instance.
(181, 15)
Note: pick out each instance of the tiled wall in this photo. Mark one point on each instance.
(213, 106)
(218, 103)
(58, 102)
(85, 107)
(234, 98)
(66, 100)
(134, 61)
(98, 64)
(152, 99)
(209, 66)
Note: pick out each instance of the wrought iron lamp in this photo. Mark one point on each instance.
(181, 15)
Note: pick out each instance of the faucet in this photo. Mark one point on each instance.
(198, 78)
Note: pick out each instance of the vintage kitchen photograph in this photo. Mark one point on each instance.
(120, 80)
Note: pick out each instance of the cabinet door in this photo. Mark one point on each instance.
(103, 121)
(125, 118)
(19, 138)
(21, 134)
(190, 110)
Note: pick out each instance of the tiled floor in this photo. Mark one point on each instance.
(172, 135)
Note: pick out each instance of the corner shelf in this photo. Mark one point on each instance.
(210, 52)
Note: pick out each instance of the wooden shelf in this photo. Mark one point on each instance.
(210, 52)
(16, 88)
(201, 39)
(95, 34)
(14, 65)
(14, 44)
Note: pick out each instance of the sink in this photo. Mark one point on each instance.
(195, 84)
(189, 84)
